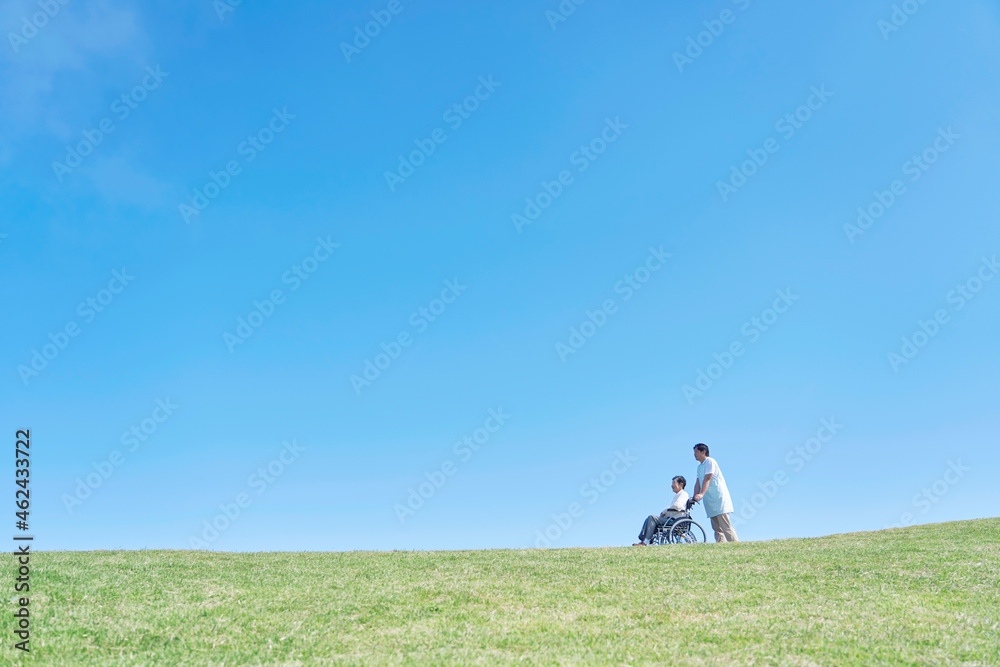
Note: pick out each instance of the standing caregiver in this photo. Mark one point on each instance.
(710, 486)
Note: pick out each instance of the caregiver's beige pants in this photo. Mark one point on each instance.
(724, 531)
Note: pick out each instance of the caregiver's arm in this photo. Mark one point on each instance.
(698, 495)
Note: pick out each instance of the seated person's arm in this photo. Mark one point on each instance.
(678, 505)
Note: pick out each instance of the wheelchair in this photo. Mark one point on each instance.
(681, 529)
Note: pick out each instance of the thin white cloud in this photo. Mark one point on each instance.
(72, 39)
(115, 179)
(83, 44)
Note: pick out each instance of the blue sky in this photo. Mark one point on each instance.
(624, 147)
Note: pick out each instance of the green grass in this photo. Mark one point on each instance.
(922, 595)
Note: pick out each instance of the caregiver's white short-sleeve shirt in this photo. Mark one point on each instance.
(717, 500)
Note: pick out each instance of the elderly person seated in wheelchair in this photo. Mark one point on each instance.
(677, 509)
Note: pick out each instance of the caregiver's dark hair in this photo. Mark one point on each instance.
(701, 447)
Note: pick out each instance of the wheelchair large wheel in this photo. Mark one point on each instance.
(687, 531)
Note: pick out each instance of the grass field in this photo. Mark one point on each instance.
(922, 595)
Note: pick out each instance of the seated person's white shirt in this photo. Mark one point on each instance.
(679, 503)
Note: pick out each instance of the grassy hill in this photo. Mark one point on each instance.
(921, 595)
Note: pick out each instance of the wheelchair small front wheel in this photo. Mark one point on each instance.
(687, 531)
